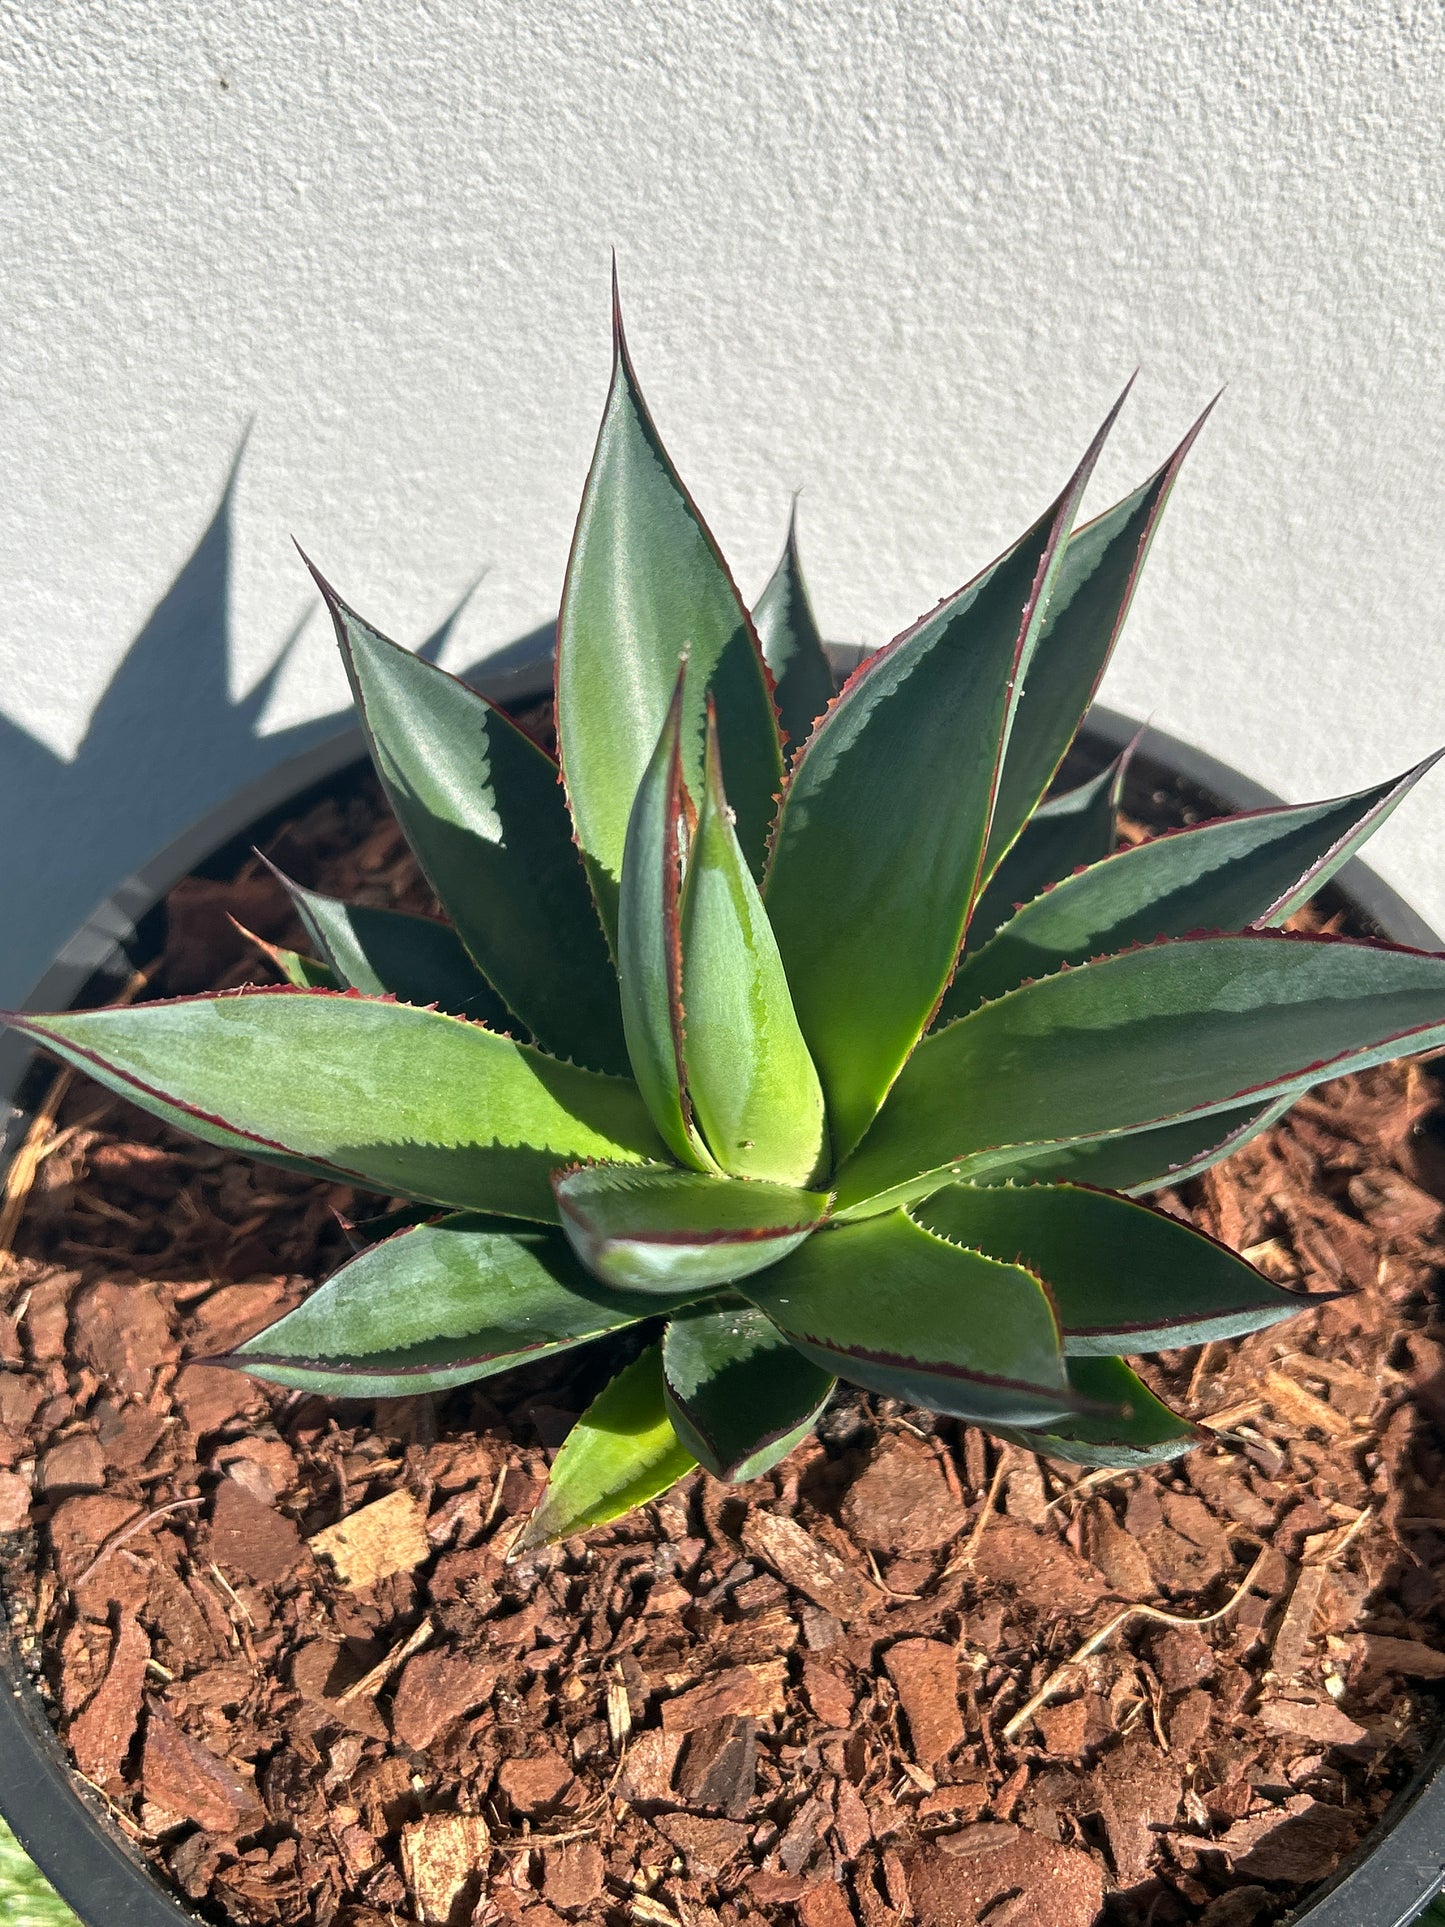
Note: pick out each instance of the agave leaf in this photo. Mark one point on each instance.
(677, 1231)
(438, 1306)
(1252, 869)
(1138, 1429)
(403, 1101)
(646, 580)
(1063, 835)
(1086, 611)
(649, 943)
(1123, 1277)
(1140, 1161)
(621, 1453)
(741, 1397)
(383, 952)
(793, 646)
(754, 1090)
(482, 806)
(300, 971)
(1178, 1029)
(869, 921)
(888, 1305)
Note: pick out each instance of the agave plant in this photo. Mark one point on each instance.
(811, 1027)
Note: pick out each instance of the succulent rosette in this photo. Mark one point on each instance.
(810, 1029)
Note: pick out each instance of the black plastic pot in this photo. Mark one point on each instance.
(1395, 1873)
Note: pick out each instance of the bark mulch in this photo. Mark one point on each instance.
(911, 1676)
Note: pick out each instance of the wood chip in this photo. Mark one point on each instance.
(1302, 1840)
(902, 1501)
(1408, 1656)
(1318, 1720)
(572, 1874)
(444, 1858)
(645, 1779)
(718, 1767)
(387, 1536)
(758, 1691)
(1292, 1641)
(824, 1905)
(804, 1562)
(100, 1737)
(1024, 1881)
(436, 1689)
(925, 1672)
(185, 1779)
(1293, 1402)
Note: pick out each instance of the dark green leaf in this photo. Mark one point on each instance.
(753, 1087)
(645, 582)
(678, 1231)
(404, 1101)
(438, 1306)
(649, 943)
(890, 1306)
(869, 918)
(1141, 1161)
(1086, 611)
(301, 972)
(792, 646)
(1061, 836)
(740, 1396)
(382, 952)
(1123, 1277)
(1178, 1029)
(483, 808)
(1140, 1430)
(1254, 869)
(621, 1453)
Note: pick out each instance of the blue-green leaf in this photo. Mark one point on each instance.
(1134, 1428)
(649, 943)
(741, 1397)
(869, 919)
(1091, 597)
(1063, 835)
(404, 1101)
(754, 1090)
(645, 583)
(387, 953)
(1181, 1028)
(482, 806)
(645, 1229)
(793, 646)
(438, 1306)
(1239, 871)
(1123, 1277)
(891, 1306)
(1141, 1161)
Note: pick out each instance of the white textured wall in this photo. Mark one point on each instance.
(901, 255)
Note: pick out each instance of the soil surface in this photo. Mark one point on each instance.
(913, 1676)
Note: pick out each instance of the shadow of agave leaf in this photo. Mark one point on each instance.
(166, 743)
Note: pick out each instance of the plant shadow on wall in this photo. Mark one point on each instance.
(166, 743)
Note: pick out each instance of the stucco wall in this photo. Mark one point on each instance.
(902, 256)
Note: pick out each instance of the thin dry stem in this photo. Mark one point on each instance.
(1062, 1675)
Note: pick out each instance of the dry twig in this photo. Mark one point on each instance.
(1062, 1675)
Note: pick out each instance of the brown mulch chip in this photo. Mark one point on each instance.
(100, 1736)
(925, 1672)
(284, 1635)
(902, 1501)
(250, 1540)
(1013, 1876)
(188, 1782)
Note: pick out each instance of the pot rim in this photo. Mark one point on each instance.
(1391, 1876)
